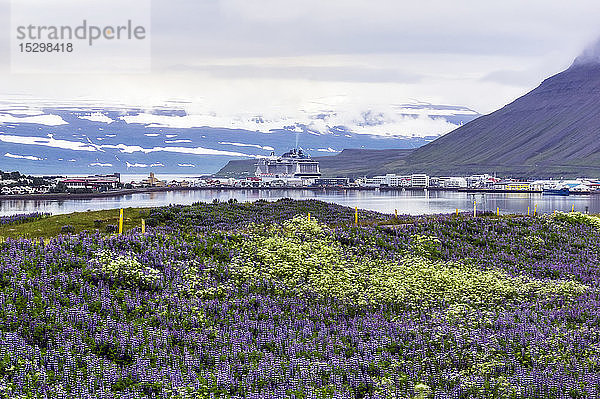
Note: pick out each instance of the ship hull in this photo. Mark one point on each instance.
(563, 192)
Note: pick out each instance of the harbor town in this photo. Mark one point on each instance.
(294, 169)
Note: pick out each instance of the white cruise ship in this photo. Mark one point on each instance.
(293, 164)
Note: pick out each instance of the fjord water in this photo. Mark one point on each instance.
(406, 202)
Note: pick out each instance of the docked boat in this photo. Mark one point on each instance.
(564, 191)
(580, 189)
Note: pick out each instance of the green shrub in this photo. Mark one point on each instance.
(125, 270)
(578, 217)
(303, 256)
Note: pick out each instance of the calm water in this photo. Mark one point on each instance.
(406, 202)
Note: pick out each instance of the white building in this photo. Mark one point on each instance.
(481, 181)
(452, 182)
(393, 180)
(420, 180)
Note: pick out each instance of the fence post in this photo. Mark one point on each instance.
(143, 226)
(121, 222)
(356, 216)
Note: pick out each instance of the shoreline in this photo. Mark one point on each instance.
(124, 192)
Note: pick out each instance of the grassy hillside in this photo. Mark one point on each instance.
(91, 221)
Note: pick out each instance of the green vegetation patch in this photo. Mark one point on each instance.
(578, 217)
(51, 226)
(125, 270)
(303, 256)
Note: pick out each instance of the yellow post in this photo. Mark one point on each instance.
(535, 210)
(497, 211)
(356, 216)
(527, 211)
(121, 222)
(573, 208)
(143, 226)
(456, 211)
(309, 216)
(474, 208)
(555, 212)
(396, 212)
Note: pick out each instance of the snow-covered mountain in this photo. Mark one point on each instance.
(52, 139)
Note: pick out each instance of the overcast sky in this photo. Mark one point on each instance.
(277, 56)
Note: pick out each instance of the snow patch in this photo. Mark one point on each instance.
(268, 148)
(48, 142)
(143, 165)
(130, 149)
(47, 120)
(177, 141)
(29, 157)
(97, 117)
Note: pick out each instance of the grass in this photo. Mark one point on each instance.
(91, 221)
(51, 226)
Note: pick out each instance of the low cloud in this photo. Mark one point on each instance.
(317, 73)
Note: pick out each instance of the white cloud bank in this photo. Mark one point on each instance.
(388, 121)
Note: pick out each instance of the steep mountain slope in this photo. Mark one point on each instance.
(553, 130)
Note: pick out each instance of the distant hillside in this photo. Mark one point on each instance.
(349, 163)
(553, 130)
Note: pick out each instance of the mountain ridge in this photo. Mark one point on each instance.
(96, 140)
(552, 130)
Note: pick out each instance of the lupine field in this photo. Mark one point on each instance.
(21, 218)
(230, 300)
